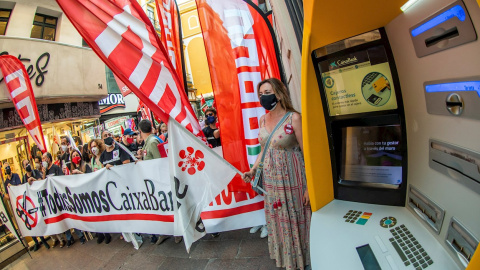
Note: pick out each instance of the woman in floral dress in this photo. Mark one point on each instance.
(287, 204)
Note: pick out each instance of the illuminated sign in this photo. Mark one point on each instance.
(454, 87)
(455, 11)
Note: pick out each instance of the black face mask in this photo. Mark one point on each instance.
(28, 168)
(269, 102)
(8, 170)
(108, 141)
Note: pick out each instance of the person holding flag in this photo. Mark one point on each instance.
(287, 203)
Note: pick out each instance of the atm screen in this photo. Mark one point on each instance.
(372, 155)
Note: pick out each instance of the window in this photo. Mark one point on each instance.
(193, 22)
(44, 27)
(4, 17)
(295, 9)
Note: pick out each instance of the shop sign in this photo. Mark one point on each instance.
(115, 122)
(112, 101)
(9, 117)
(38, 72)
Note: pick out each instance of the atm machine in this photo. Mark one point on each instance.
(401, 105)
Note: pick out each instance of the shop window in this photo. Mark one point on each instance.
(192, 22)
(4, 17)
(44, 27)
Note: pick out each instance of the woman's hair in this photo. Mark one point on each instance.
(100, 146)
(281, 91)
(59, 155)
(85, 153)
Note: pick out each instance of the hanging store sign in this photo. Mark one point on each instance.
(111, 102)
(115, 122)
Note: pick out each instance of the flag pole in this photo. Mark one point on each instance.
(15, 230)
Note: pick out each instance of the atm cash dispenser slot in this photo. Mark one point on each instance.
(458, 163)
(426, 209)
(461, 241)
(447, 28)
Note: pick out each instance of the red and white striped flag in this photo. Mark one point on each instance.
(124, 38)
(170, 29)
(21, 93)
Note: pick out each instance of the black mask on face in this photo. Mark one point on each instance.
(269, 102)
(108, 141)
(28, 168)
(8, 170)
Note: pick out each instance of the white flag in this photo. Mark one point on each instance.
(197, 176)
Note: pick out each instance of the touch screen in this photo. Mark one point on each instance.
(372, 154)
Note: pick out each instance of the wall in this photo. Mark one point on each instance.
(291, 55)
(73, 73)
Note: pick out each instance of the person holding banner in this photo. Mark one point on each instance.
(11, 179)
(78, 165)
(50, 169)
(287, 204)
(30, 176)
(96, 147)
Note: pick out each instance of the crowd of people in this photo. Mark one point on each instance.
(287, 204)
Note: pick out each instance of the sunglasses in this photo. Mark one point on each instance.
(210, 114)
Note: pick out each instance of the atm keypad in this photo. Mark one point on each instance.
(357, 217)
(409, 249)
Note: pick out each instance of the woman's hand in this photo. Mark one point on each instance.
(306, 198)
(76, 171)
(248, 176)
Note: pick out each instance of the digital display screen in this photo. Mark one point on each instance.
(454, 87)
(358, 82)
(372, 154)
(368, 258)
(455, 11)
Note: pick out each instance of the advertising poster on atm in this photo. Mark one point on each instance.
(358, 82)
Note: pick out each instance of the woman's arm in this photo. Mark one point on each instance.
(297, 128)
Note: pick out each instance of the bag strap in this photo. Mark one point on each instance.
(267, 144)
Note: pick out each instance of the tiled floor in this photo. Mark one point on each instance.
(231, 250)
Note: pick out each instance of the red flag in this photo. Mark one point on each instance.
(170, 29)
(120, 33)
(21, 93)
(248, 55)
(123, 88)
(203, 104)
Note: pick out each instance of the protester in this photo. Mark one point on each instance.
(86, 154)
(210, 130)
(58, 159)
(49, 169)
(77, 166)
(65, 157)
(129, 142)
(150, 151)
(11, 179)
(116, 137)
(112, 156)
(31, 175)
(287, 208)
(163, 134)
(96, 147)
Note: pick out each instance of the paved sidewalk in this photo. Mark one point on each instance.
(231, 250)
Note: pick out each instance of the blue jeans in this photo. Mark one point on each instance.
(77, 232)
(41, 239)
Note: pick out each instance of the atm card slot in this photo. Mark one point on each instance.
(449, 34)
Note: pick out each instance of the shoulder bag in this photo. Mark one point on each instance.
(258, 181)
